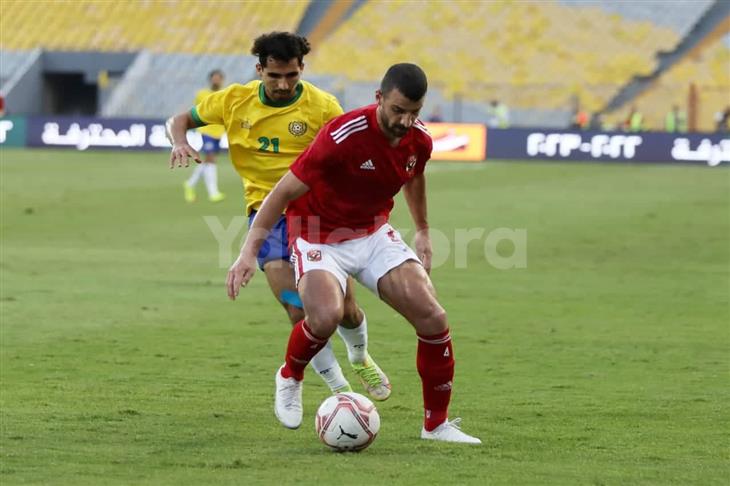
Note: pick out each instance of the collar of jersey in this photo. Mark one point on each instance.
(279, 104)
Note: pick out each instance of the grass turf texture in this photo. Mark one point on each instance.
(605, 361)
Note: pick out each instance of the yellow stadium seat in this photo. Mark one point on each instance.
(546, 46)
(142, 24)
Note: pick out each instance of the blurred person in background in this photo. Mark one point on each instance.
(580, 119)
(596, 122)
(722, 121)
(211, 147)
(635, 121)
(436, 115)
(676, 120)
(497, 115)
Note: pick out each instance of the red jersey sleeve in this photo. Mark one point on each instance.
(310, 164)
(424, 155)
(427, 149)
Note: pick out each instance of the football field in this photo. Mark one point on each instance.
(605, 360)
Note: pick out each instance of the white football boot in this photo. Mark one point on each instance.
(449, 432)
(288, 401)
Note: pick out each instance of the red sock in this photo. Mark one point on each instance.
(303, 346)
(435, 362)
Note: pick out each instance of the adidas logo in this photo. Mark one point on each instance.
(368, 165)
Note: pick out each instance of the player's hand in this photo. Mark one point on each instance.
(422, 243)
(181, 154)
(240, 274)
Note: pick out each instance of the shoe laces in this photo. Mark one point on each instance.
(456, 423)
(369, 373)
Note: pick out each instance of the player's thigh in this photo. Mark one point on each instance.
(324, 302)
(407, 288)
(280, 276)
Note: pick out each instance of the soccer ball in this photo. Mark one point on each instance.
(347, 422)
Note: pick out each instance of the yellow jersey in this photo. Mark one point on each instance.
(264, 136)
(215, 131)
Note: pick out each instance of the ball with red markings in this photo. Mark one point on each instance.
(347, 422)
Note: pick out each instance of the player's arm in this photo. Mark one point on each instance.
(287, 189)
(210, 110)
(415, 193)
(176, 128)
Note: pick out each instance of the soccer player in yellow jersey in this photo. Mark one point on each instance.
(211, 147)
(269, 122)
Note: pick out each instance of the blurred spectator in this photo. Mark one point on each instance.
(596, 122)
(211, 135)
(635, 121)
(580, 120)
(722, 121)
(436, 115)
(497, 115)
(676, 120)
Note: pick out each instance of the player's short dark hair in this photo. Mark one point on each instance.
(214, 72)
(281, 46)
(408, 78)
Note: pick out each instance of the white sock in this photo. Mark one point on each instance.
(211, 178)
(356, 340)
(197, 172)
(326, 365)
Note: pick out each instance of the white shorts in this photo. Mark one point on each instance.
(367, 258)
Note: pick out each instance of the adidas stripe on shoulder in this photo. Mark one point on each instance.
(419, 124)
(357, 124)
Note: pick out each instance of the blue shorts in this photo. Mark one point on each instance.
(276, 246)
(210, 145)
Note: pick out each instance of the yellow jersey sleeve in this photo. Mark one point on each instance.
(201, 95)
(209, 112)
(333, 109)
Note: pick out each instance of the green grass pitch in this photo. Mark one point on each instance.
(605, 361)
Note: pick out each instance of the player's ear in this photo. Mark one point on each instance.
(259, 70)
(378, 95)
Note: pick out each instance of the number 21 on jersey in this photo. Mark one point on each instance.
(266, 142)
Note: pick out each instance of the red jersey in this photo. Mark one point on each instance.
(353, 173)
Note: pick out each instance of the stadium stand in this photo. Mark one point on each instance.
(11, 61)
(537, 54)
(191, 27)
(144, 89)
(540, 58)
(709, 71)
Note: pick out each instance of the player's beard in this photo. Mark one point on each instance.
(392, 130)
(399, 130)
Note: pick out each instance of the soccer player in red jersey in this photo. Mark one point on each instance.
(339, 194)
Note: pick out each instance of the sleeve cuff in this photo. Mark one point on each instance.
(300, 174)
(196, 117)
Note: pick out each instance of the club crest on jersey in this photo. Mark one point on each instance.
(297, 128)
(246, 125)
(314, 255)
(411, 164)
(393, 236)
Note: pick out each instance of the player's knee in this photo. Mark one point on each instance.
(324, 321)
(434, 322)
